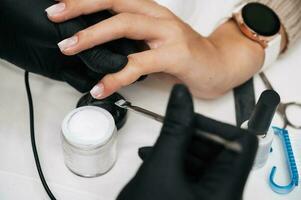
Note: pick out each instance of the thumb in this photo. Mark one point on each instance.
(101, 60)
(176, 133)
(79, 77)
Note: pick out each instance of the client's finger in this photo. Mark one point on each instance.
(68, 9)
(139, 64)
(127, 25)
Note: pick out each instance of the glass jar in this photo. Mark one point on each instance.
(89, 138)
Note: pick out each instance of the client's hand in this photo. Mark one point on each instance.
(181, 167)
(29, 40)
(210, 66)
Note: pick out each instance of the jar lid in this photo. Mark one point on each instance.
(88, 127)
(119, 114)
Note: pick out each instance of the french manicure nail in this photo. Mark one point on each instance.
(97, 90)
(55, 9)
(67, 43)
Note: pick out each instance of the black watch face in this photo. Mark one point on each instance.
(261, 19)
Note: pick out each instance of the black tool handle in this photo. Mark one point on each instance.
(264, 112)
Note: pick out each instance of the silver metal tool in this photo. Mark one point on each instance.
(231, 145)
(283, 108)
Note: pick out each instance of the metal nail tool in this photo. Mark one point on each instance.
(231, 145)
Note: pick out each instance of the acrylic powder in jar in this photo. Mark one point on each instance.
(89, 141)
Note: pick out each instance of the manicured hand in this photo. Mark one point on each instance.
(210, 66)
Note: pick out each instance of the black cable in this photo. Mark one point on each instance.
(33, 142)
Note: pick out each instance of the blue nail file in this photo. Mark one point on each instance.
(285, 189)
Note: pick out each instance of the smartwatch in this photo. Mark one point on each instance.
(262, 25)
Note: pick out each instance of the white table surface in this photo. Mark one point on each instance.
(53, 100)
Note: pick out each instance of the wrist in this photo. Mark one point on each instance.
(223, 34)
(241, 56)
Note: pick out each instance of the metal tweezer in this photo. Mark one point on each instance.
(231, 145)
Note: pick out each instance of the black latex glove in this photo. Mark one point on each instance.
(179, 167)
(29, 40)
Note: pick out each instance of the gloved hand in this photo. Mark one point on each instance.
(29, 40)
(180, 167)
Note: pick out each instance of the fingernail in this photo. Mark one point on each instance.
(67, 43)
(97, 91)
(55, 9)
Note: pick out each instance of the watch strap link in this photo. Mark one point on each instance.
(272, 52)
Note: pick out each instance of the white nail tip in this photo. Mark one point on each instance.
(55, 9)
(67, 43)
(97, 91)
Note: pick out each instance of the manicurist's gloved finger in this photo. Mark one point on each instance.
(144, 152)
(176, 133)
(126, 46)
(68, 9)
(79, 78)
(102, 60)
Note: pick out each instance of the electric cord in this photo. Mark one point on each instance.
(33, 142)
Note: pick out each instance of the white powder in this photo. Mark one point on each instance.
(89, 126)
